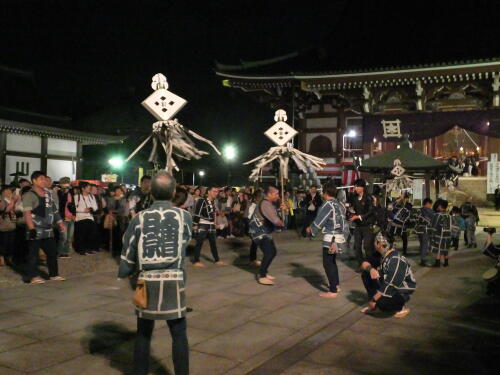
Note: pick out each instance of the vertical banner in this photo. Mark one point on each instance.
(418, 189)
(493, 174)
(141, 173)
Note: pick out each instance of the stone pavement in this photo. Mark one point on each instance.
(86, 325)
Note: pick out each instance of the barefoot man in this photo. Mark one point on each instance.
(331, 220)
(389, 287)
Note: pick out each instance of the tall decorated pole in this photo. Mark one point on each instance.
(281, 134)
(169, 134)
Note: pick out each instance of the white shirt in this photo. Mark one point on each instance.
(83, 202)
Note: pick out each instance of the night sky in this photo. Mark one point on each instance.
(94, 62)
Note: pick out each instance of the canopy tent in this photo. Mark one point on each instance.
(411, 160)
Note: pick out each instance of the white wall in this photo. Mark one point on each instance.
(329, 122)
(61, 168)
(24, 143)
(61, 147)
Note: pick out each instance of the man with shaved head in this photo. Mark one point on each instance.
(155, 246)
(264, 221)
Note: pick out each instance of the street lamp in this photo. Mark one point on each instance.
(116, 163)
(229, 154)
(201, 174)
(351, 134)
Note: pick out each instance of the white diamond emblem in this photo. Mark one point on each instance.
(281, 133)
(163, 104)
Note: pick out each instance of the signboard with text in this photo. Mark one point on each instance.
(493, 174)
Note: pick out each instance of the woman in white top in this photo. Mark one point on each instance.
(86, 231)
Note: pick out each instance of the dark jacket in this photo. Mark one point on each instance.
(364, 208)
(204, 211)
(317, 201)
(381, 216)
(468, 208)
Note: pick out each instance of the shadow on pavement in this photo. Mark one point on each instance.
(116, 343)
(312, 276)
(468, 344)
(357, 297)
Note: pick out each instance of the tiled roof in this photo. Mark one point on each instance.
(10, 126)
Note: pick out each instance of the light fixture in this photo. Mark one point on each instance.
(201, 173)
(478, 148)
(461, 149)
(229, 152)
(351, 134)
(116, 162)
(374, 140)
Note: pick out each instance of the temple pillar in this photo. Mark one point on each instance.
(341, 125)
(427, 193)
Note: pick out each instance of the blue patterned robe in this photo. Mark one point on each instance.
(155, 245)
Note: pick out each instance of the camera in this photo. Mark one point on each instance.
(490, 230)
(91, 210)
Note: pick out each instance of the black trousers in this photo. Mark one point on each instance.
(268, 247)
(223, 232)
(454, 242)
(86, 236)
(401, 233)
(49, 247)
(180, 346)
(363, 237)
(8, 243)
(386, 304)
(201, 235)
(253, 251)
(308, 219)
(331, 269)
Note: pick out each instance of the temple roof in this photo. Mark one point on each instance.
(30, 123)
(371, 40)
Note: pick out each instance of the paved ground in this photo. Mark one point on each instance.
(489, 217)
(86, 325)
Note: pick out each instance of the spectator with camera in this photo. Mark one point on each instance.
(468, 210)
(86, 234)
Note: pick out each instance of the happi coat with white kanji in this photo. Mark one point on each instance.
(155, 246)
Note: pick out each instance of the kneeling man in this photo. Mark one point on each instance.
(388, 280)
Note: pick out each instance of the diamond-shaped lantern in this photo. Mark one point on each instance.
(398, 170)
(280, 133)
(163, 104)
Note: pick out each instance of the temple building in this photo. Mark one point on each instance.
(33, 140)
(448, 109)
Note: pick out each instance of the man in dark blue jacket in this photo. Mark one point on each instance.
(424, 220)
(388, 280)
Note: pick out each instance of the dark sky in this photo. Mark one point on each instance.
(94, 61)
